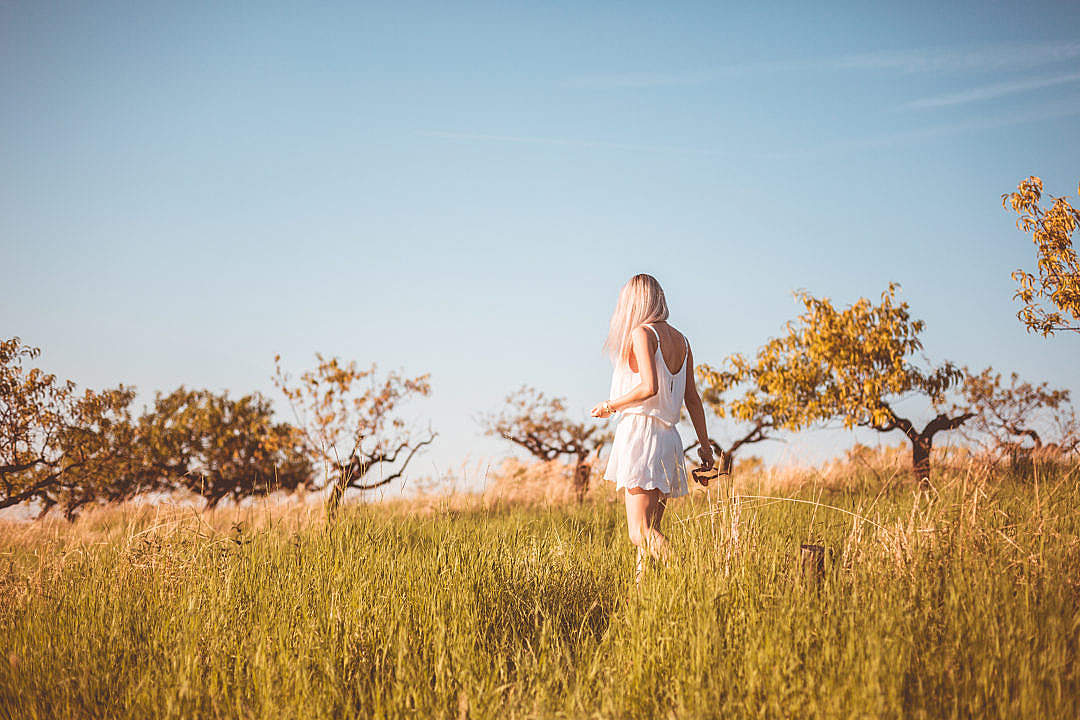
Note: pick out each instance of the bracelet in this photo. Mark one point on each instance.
(607, 407)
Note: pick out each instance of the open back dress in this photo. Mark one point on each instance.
(647, 451)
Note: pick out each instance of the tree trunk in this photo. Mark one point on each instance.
(341, 483)
(921, 446)
(922, 442)
(582, 473)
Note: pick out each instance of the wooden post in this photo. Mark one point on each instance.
(724, 463)
(813, 562)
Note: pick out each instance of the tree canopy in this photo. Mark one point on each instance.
(217, 447)
(1013, 416)
(349, 421)
(539, 424)
(63, 448)
(853, 364)
(1051, 300)
(733, 391)
(58, 446)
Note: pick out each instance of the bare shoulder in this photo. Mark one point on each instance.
(639, 333)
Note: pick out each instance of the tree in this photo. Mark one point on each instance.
(351, 429)
(853, 364)
(539, 424)
(57, 446)
(760, 414)
(1059, 271)
(95, 446)
(1017, 418)
(218, 448)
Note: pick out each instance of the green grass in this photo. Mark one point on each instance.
(962, 605)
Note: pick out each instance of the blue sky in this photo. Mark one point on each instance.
(188, 188)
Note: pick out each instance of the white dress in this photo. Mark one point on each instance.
(647, 451)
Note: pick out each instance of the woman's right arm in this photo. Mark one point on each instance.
(696, 411)
(645, 355)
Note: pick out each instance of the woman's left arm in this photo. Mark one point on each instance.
(696, 411)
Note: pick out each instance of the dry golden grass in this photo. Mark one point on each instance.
(519, 602)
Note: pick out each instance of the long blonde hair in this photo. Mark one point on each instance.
(641, 301)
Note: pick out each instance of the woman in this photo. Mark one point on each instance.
(654, 376)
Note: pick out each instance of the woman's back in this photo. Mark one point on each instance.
(671, 350)
(673, 346)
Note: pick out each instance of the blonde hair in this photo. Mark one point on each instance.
(641, 301)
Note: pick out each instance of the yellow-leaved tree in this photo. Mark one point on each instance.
(349, 421)
(733, 391)
(1058, 283)
(851, 363)
(218, 447)
(59, 447)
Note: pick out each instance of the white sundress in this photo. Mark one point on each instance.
(647, 451)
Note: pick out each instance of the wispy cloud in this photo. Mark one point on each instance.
(567, 142)
(855, 145)
(988, 58)
(852, 145)
(989, 92)
(636, 80)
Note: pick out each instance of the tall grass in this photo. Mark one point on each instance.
(962, 602)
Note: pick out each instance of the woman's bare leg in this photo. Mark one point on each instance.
(658, 516)
(644, 511)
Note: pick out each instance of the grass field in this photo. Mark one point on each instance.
(960, 603)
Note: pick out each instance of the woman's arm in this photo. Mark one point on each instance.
(646, 361)
(696, 411)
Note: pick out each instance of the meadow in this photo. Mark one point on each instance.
(959, 601)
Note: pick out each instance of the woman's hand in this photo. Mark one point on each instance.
(602, 410)
(705, 452)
